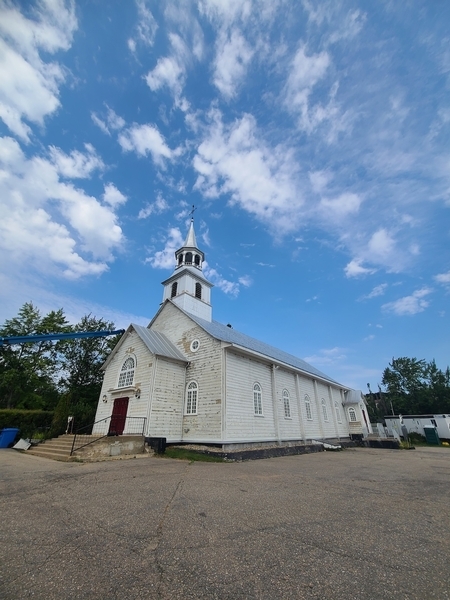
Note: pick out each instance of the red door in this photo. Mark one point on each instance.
(118, 417)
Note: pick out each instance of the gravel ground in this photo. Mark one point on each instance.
(357, 524)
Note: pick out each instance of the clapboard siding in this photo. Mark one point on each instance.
(289, 427)
(166, 412)
(137, 407)
(242, 424)
(204, 368)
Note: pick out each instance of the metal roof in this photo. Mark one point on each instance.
(157, 343)
(230, 335)
(195, 271)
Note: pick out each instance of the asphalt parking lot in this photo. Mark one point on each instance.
(358, 524)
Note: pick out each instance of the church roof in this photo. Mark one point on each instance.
(157, 343)
(230, 335)
(195, 271)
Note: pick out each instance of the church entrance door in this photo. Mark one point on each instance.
(118, 417)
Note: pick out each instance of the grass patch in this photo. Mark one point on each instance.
(192, 455)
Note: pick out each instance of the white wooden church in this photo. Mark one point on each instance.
(190, 379)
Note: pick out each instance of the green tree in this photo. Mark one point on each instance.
(417, 387)
(29, 371)
(81, 376)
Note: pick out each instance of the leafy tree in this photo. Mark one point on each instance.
(417, 387)
(28, 371)
(81, 377)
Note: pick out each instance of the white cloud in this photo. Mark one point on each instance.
(246, 281)
(230, 288)
(145, 29)
(378, 290)
(111, 121)
(233, 55)
(327, 356)
(345, 204)
(167, 72)
(30, 86)
(165, 259)
(113, 196)
(235, 161)
(76, 164)
(355, 269)
(47, 224)
(156, 207)
(306, 72)
(443, 278)
(226, 12)
(146, 139)
(409, 305)
(319, 180)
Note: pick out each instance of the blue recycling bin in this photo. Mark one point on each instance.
(7, 436)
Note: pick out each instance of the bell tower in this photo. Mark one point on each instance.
(187, 286)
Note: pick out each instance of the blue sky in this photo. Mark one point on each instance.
(312, 138)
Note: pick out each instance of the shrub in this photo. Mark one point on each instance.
(28, 421)
(417, 438)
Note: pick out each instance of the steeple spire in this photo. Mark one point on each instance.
(190, 240)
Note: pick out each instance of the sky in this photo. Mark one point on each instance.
(312, 138)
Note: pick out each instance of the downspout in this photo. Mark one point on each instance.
(275, 405)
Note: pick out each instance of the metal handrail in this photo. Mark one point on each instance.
(86, 442)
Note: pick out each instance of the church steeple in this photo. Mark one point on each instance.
(187, 286)
(189, 254)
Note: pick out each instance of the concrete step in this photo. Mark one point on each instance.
(56, 448)
(53, 454)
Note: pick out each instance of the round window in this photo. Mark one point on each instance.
(195, 345)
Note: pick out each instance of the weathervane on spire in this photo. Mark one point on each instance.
(192, 212)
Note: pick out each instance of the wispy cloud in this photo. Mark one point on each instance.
(410, 305)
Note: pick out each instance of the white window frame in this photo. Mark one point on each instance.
(195, 345)
(352, 415)
(191, 403)
(308, 408)
(126, 374)
(324, 410)
(286, 404)
(257, 400)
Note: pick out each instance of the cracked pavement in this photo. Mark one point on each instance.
(362, 523)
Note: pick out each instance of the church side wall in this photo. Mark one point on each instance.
(204, 368)
(137, 407)
(289, 426)
(167, 400)
(242, 425)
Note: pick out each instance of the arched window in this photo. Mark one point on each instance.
(286, 404)
(198, 290)
(126, 373)
(191, 398)
(188, 258)
(324, 410)
(352, 414)
(180, 259)
(338, 412)
(173, 293)
(308, 408)
(197, 260)
(257, 399)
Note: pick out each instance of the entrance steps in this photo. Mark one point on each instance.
(56, 448)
